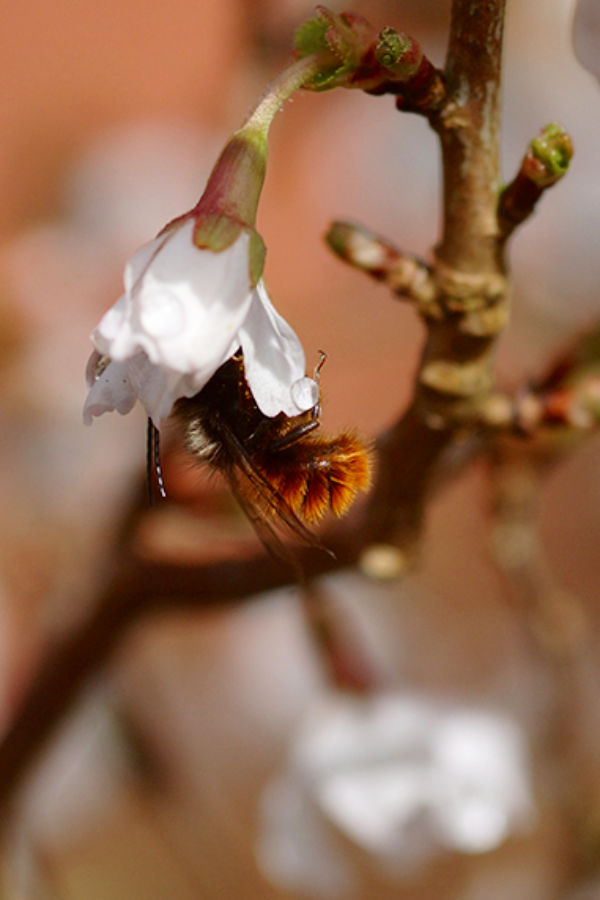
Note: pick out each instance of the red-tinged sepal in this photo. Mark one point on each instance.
(386, 63)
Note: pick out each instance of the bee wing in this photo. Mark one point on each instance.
(263, 505)
(258, 518)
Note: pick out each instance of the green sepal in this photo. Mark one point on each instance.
(311, 37)
(347, 36)
(216, 232)
(256, 256)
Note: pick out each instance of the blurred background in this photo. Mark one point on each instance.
(212, 756)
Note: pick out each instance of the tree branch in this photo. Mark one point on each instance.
(455, 372)
(408, 276)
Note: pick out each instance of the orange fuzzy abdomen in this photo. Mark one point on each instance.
(318, 475)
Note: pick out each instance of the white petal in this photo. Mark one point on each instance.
(112, 321)
(113, 337)
(156, 387)
(188, 304)
(176, 324)
(273, 359)
(185, 312)
(120, 384)
(111, 390)
(138, 265)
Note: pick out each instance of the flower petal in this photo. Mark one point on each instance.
(156, 387)
(184, 306)
(110, 390)
(120, 384)
(138, 265)
(190, 303)
(113, 336)
(274, 360)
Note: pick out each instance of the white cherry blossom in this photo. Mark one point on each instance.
(194, 295)
(185, 311)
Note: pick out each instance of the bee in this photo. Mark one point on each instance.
(282, 474)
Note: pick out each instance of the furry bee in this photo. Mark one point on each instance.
(282, 474)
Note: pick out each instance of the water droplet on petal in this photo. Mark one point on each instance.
(305, 393)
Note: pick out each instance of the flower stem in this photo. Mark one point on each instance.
(230, 199)
(288, 81)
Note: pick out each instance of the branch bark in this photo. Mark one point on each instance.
(455, 371)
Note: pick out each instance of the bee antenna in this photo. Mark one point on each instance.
(316, 410)
(320, 364)
(153, 466)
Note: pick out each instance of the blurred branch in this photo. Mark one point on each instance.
(561, 635)
(554, 617)
(345, 660)
(138, 587)
(141, 586)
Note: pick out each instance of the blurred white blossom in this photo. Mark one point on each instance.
(403, 778)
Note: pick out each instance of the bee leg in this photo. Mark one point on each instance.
(153, 466)
(296, 434)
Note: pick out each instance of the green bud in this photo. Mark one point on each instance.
(398, 53)
(554, 149)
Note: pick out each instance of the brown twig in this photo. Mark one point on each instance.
(468, 271)
(406, 275)
(546, 161)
